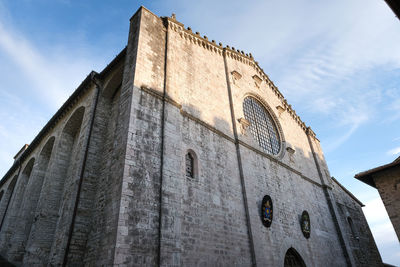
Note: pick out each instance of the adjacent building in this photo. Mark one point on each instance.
(386, 179)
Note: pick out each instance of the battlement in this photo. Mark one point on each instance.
(236, 54)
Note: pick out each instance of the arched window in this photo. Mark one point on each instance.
(293, 259)
(262, 126)
(189, 165)
(353, 232)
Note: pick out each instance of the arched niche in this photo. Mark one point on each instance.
(113, 83)
(11, 216)
(6, 199)
(48, 211)
(29, 203)
(20, 189)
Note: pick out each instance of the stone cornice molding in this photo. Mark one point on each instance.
(275, 159)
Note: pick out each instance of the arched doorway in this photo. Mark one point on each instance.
(293, 259)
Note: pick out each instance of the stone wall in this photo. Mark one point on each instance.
(199, 116)
(355, 228)
(108, 179)
(388, 184)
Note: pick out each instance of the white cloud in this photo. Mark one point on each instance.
(375, 211)
(33, 65)
(382, 230)
(51, 72)
(394, 151)
(394, 109)
(34, 83)
(322, 56)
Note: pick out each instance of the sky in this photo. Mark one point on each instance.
(336, 62)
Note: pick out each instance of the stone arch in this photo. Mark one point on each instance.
(74, 122)
(11, 217)
(112, 84)
(27, 211)
(293, 259)
(6, 199)
(299, 247)
(275, 119)
(52, 201)
(1, 195)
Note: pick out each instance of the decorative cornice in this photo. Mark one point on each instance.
(234, 54)
(194, 38)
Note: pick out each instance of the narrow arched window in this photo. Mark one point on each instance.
(353, 232)
(262, 125)
(189, 165)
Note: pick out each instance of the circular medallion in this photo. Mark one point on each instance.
(266, 211)
(305, 224)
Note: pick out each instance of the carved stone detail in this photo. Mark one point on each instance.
(257, 80)
(236, 76)
(280, 110)
(244, 124)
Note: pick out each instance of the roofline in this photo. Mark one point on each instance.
(113, 63)
(21, 150)
(348, 192)
(85, 84)
(367, 176)
(395, 6)
(50, 124)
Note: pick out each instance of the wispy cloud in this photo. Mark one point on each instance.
(339, 141)
(52, 73)
(394, 108)
(42, 77)
(394, 151)
(33, 65)
(322, 64)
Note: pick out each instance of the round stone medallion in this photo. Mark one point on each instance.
(305, 224)
(267, 211)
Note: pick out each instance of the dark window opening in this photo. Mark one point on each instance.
(189, 165)
(293, 259)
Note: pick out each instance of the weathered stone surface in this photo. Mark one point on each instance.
(107, 177)
(388, 185)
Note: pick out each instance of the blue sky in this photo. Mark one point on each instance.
(337, 63)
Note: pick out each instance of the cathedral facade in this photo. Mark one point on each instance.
(181, 152)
